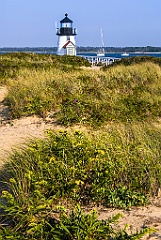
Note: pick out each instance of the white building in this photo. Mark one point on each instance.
(66, 37)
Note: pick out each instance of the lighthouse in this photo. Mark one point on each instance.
(66, 37)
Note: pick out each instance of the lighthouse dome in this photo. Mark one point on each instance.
(66, 25)
(66, 19)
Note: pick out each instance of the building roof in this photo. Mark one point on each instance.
(66, 19)
(68, 44)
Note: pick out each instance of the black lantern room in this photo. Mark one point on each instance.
(66, 28)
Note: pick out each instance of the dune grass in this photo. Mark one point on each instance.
(119, 94)
(114, 163)
(11, 63)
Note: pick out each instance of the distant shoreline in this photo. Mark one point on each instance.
(88, 49)
(93, 52)
(122, 52)
(115, 54)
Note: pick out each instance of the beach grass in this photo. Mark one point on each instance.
(94, 98)
(114, 162)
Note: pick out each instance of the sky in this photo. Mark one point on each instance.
(32, 23)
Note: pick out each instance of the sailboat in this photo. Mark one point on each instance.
(101, 51)
(125, 54)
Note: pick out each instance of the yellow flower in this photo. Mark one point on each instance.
(102, 152)
(79, 182)
(52, 159)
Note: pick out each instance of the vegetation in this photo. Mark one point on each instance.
(11, 63)
(123, 93)
(115, 162)
(135, 60)
(110, 169)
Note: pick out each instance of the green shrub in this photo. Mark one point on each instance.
(115, 169)
(64, 226)
(119, 167)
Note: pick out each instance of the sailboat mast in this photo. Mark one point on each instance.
(101, 51)
(102, 42)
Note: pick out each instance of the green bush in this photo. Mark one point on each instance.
(67, 226)
(117, 168)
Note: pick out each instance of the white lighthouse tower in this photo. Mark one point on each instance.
(66, 37)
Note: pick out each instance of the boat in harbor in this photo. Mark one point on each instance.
(125, 54)
(100, 54)
(101, 51)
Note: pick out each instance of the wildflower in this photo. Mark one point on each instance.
(79, 182)
(102, 152)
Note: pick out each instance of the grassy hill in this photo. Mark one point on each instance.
(115, 162)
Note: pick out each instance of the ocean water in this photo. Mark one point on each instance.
(112, 55)
(118, 55)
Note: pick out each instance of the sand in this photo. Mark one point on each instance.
(14, 133)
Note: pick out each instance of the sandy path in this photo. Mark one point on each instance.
(138, 218)
(14, 133)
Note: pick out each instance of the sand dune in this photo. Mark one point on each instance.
(14, 133)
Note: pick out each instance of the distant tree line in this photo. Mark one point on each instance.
(30, 49)
(81, 49)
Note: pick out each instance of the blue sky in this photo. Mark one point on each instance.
(31, 23)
